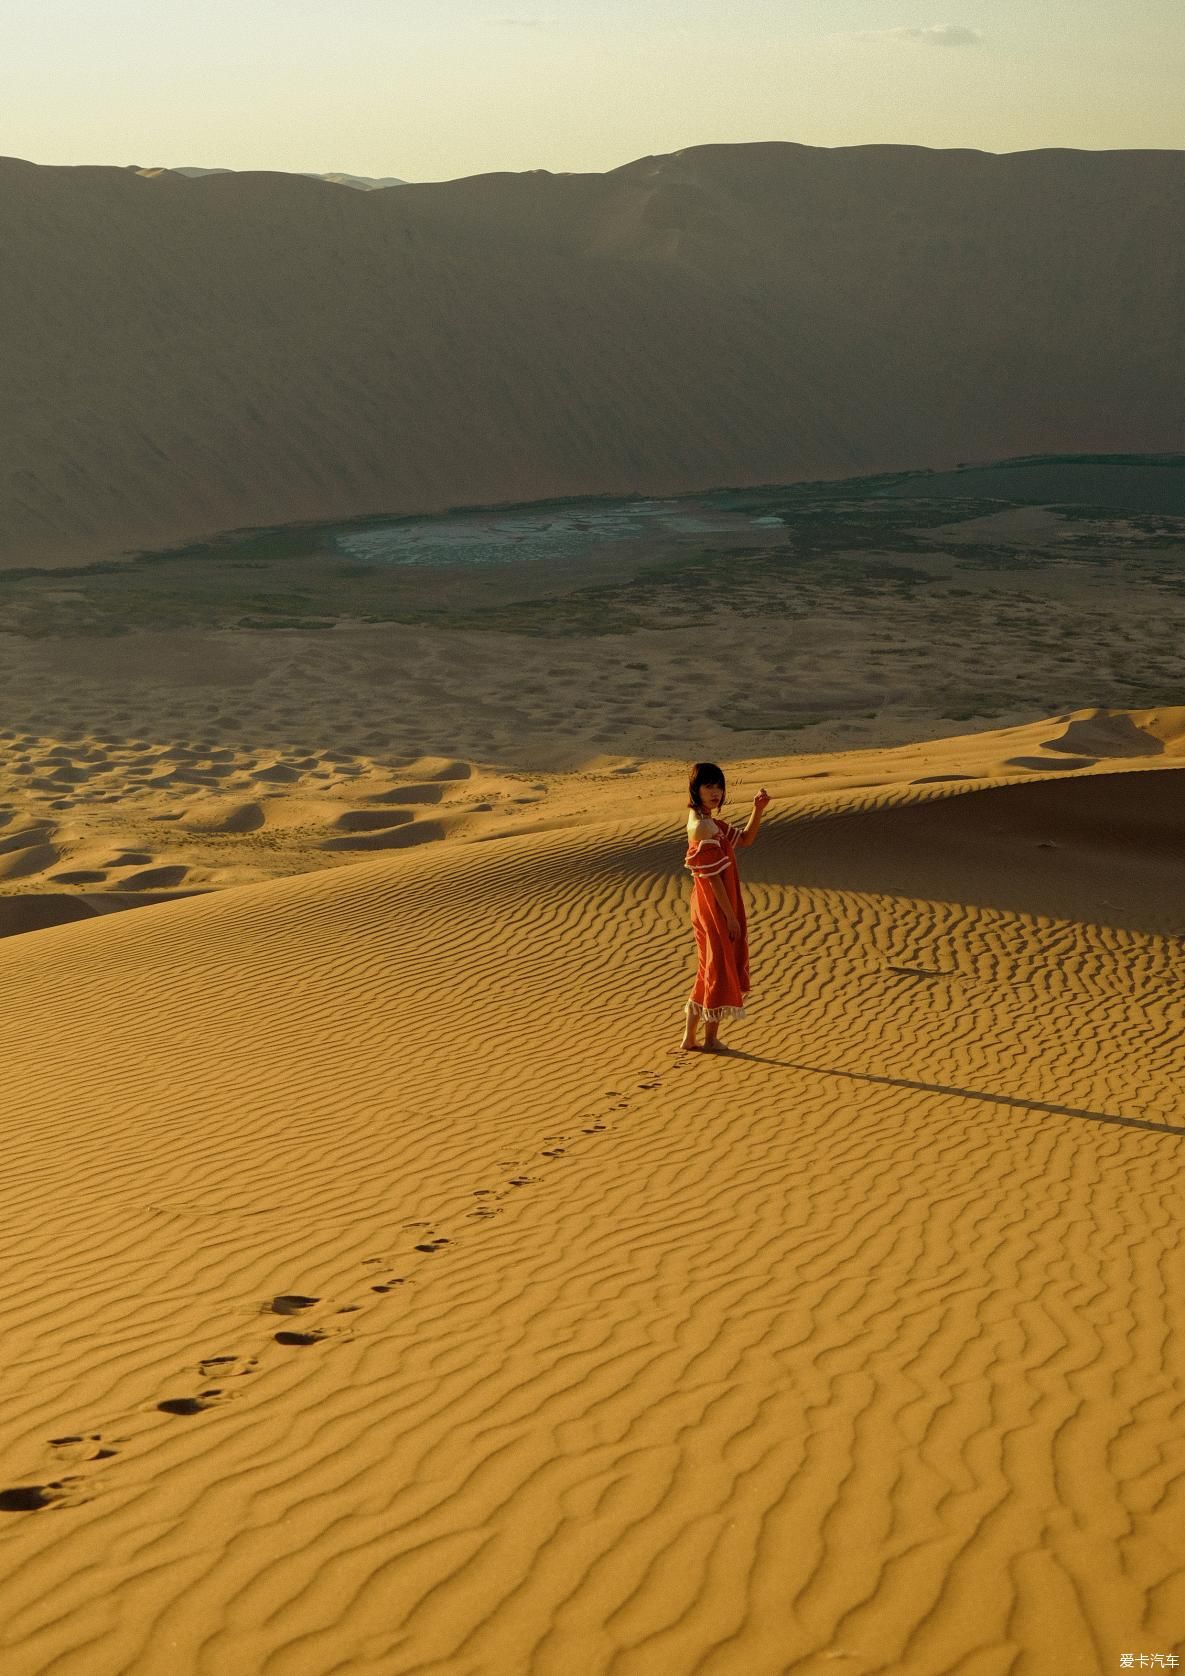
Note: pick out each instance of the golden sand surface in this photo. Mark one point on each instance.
(386, 1293)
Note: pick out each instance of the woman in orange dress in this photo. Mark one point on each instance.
(717, 907)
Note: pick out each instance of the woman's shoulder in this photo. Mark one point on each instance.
(699, 827)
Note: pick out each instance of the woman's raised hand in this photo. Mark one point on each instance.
(760, 799)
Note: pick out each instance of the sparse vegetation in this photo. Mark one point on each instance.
(873, 566)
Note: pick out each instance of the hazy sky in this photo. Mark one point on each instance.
(433, 89)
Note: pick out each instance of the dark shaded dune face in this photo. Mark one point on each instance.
(1106, 847)
(712, 308)
(223, 817)
(19, 914)
(114, 900)
(372, 820)
(1123, 815)
(28, 860)
(397, 838)
(154, 878)
(411, 794)
(66, 774)
(26, 837)
(1107, 736)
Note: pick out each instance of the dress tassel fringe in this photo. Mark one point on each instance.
(713, 1015)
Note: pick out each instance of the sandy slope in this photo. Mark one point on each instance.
(857, 1349)
(106, 822)
(184, 356)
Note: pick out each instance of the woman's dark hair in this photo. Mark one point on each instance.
(703, 774)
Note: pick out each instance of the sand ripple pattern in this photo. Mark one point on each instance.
(495, 1337)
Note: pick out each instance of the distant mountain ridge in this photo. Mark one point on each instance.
(363, 183)
(185, 357)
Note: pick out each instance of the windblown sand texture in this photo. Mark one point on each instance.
(189, 355)
(384, 1295)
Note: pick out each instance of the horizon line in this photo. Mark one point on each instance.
(705, 145)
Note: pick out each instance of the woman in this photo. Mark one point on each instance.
(717, 907)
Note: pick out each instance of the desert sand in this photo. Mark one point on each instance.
(386, 1293)
(190, 355)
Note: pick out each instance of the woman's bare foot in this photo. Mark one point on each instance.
(714, 1047)
(689, 1046)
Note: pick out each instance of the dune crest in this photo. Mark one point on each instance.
(1138, 733)
(119, 824)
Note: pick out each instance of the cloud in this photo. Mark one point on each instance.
(932, 35)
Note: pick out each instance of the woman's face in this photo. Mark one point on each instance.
(711, 797)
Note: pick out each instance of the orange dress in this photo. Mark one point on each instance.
(722, 978)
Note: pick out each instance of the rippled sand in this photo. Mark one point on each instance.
(386, 1293)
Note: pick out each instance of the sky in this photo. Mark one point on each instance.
(436, 89)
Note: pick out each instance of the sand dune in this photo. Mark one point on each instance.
(384, 1295)
(120, 818)
(115, 821)
(364, 183)
(183, 356)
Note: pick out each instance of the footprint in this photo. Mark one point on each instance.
(29, 1498)
(553, 1152)
(398, 1280)
(483, 1212)
(521, 1181)
(291, 1303)
(594, 1130)
(315, 1336)
(432, 1245)
(188, 1405)
(88, 1447)
(226, 1367)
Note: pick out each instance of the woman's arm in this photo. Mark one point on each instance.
(753, 825)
